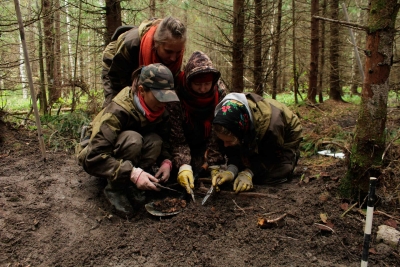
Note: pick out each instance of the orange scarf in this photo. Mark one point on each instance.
(148, 55)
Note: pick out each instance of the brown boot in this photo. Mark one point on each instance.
(116, 195)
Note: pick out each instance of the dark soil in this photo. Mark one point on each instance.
(53, 213)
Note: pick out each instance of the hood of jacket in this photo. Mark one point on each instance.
(199, 63)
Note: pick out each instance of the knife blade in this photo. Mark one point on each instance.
(197, 174)
(208, 194)
(167, 188)
(192, 194)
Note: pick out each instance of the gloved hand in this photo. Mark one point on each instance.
(185, 177)
(143, 180)
(164, 171)
(214, 170)
(243, 181)
(221, 177)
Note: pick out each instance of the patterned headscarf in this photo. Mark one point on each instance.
(234, 116)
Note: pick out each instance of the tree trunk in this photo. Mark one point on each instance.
(335, 91)
(356, 80)
(70, 42)
(152, 6)
(321, 65)
(295, 72)
(257, 62)
(24, 79)
(237, 46)
(42, 91)
(369, 138)
(48, 27)
(57, 52)
(113, 18)
(313, 78)
(277, 38)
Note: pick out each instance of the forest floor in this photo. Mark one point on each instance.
(52, 213)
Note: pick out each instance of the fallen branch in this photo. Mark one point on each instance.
(387, 215)
(324, 227)
(242, 194)
(352, 206)
(265, 223)
(238, 206)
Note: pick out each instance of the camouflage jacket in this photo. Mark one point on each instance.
(121, 115)
(121, 58)
(275, 127)
(187, 139)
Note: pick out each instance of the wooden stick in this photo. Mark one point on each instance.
(243, 194)
(238, 206)
(30, 79)
(352, 206)
(277, 219)
(324, 226)
(387, 215)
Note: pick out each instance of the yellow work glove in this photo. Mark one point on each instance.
(185, 177)
(221, 177)
(243, 182)
(214, 170)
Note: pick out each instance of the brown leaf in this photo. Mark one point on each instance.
(391, 223)
(324, 217)
(323, 197)
(372, 251)
(344, 206)
(329, 224)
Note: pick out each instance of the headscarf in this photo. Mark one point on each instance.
(234, 116)
(148, 55)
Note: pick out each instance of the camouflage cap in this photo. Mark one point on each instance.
(159, 79)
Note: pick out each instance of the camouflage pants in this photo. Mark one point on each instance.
(269, 170)
(142, 151)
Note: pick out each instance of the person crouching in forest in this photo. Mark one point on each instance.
(260, 138)
(129, 136)
(199, 89)
(154, 41)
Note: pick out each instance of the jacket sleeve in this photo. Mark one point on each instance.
(179, 147)
(99, 159)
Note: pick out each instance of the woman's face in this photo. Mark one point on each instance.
(151, 101)
(229, 140)
(201, 87)
(169, 52)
